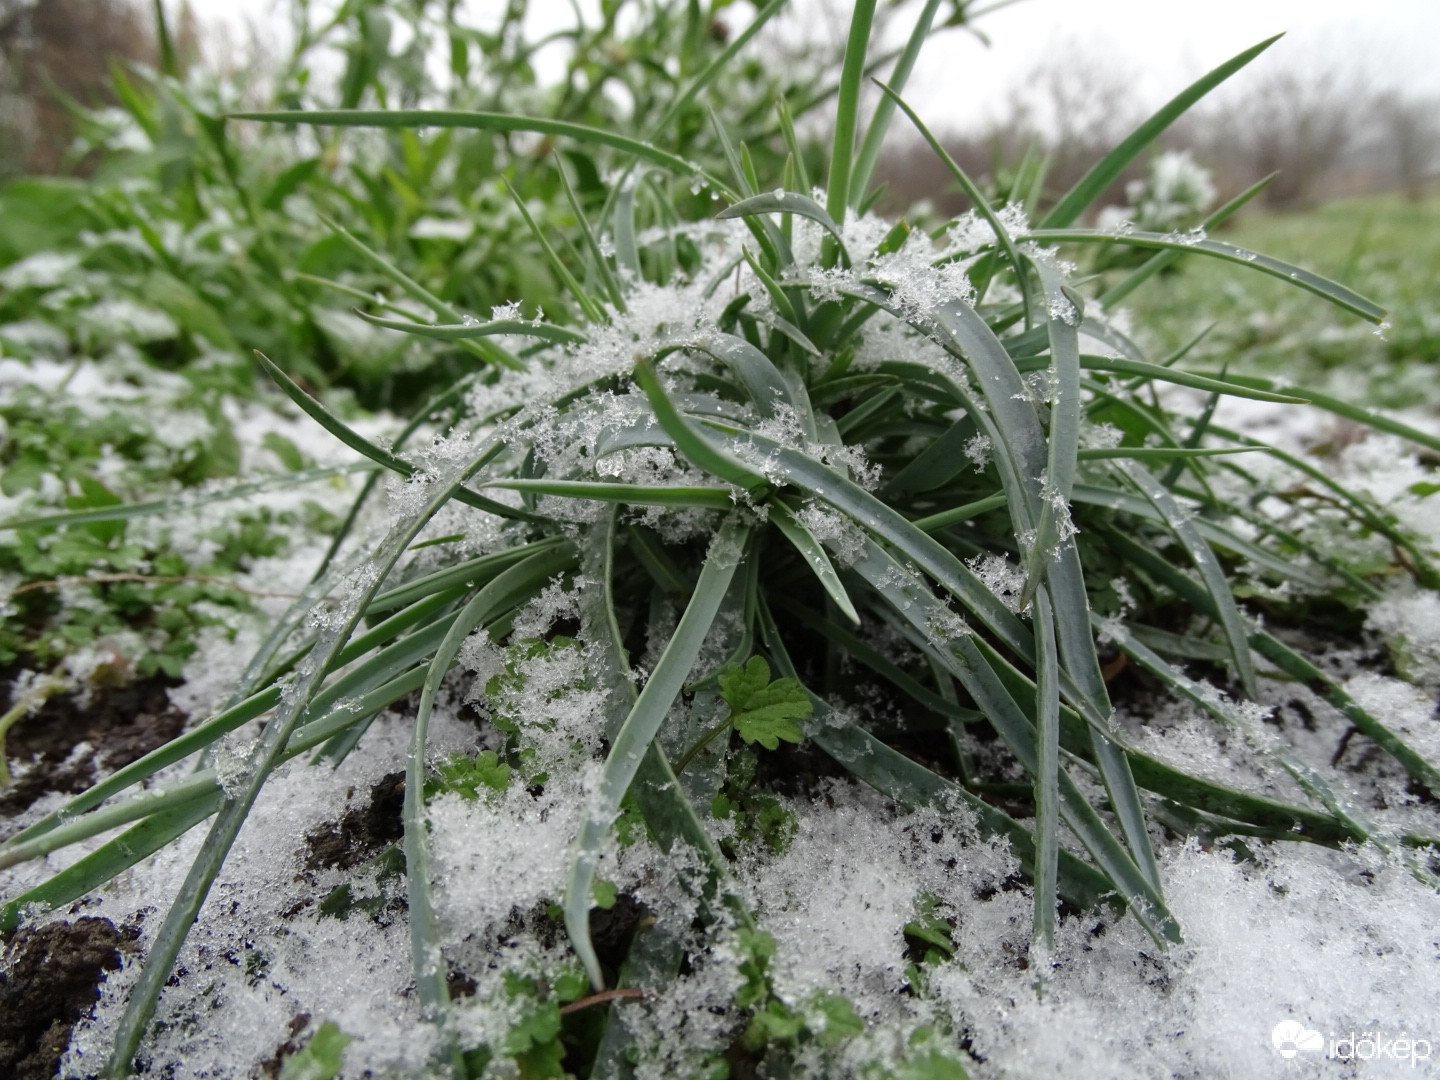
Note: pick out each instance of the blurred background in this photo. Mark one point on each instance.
(1345, 105)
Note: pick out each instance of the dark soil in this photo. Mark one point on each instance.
(362, 831)
(120, 724)
(51, 977)
(272, 1065)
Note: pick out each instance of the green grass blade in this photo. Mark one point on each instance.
(1162, 259)
(1019, 446)
(463, 331)
(504, 123)
(478, 571)
(591, 310)
(353, 439)
(689, 440)
(1322, 287)
(112, 859)
(946, 518)
(1358, 413)
(67, 832)
(813, 552)
(713, 69)
(915, 604)
(1349, 816)
(883, 521)
(972, 192)
(852, 74)
(709, 498)
(1286, 659)
(1090, 186)
(911, 784)
(876, 661)
(636, 735)
(512, 586)
(885, 109)
(757, 373)
(487, 351)
(792, 143)
(1053, 525)
(592, 244)
(1211, 531)
(788, 202)
(189, 500)
(1046, 779)
(1226, 384)
(1222, 602)
(175, 750)
(1164, 453)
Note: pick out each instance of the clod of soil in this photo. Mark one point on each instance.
(51, 977)
(362, 831)
(612, 929)
(271, 1066)
(120, 724)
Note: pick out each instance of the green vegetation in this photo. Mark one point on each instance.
(731, 460)
(1385, 246)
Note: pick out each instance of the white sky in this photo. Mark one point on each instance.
(1165, 43)
(1169, 43)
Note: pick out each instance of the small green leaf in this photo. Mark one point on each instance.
(764, 711)
(604, 893)
(320, 1060)
(774, 1023)
(465, 775)
(841, 1021)
(283, 448)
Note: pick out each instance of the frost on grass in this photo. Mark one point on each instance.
(1001, 577)
(1409, 624)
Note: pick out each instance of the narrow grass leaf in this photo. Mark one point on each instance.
(788, 202)
(635, 736)
(463, 331)
(414, 119)
(709, 498)
(1046, 779)
(1163, 259)
(190, 500)
(1323, 287)
(1218, 587)
(1093, 184)
(353, 439)
(869, 154)
(813, 552)
(852, 75)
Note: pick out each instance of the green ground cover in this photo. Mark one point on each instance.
(1385, 246)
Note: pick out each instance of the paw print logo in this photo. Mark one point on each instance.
(1291, 1036)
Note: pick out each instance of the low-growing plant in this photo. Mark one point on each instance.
(783, 453)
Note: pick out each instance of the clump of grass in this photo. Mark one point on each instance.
(800, 437)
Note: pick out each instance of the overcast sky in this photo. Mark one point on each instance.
(1165, 43)
(1168, 43)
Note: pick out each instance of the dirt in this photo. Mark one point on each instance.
(362, 831)
(51, 977)
(118, 724)
(272, 1065)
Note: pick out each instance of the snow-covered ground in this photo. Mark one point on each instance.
(1298, 960)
